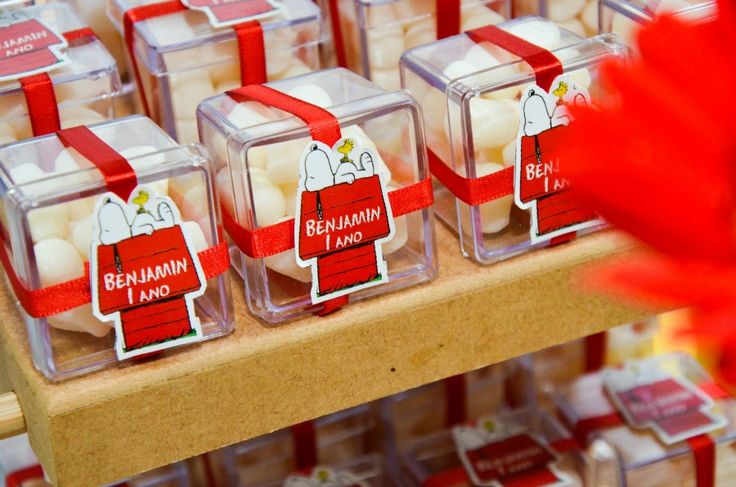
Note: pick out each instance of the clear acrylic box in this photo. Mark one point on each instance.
(86, 88)
(49, 194)
(434, 459)
(469, 96)
(639, 456)
(578, 16)
(376, 32)
(419, 412)
(257, 152)
(95, 15)
(183, 59)
(625, 17)
(340, 439)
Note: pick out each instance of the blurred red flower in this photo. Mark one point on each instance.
(660, 163)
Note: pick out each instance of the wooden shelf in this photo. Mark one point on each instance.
(112, 424)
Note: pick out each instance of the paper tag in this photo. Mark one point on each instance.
(649, 397)
(225, 13)
(494, 454)
(538, 185)
(28, 47)
(145, 273)
(324, 477)
(342, 217)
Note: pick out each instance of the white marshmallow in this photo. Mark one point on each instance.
(297, 67)
(194, 203)
(589, 17)
(25, 173)
(48, 223)
(573, 25)
(494, 122)
(248, 114)
(285, 263)
(290, 191)
(313, 94)
(401, 235)
(541, 33)
(494, 215)
(79, 115)
(224, 189)
(80, 319)
(269, 202)
(420, 32)
(283, 160)
(562, 10)
(143, 157)
(459, 69)
(509, 153)
(80, 234)
(196, 235)
(385, 46)
(169, 29)
(479, 16)
(57, 261)
(188, 88)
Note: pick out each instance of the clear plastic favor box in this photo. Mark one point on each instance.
(419, 412)
(470, 97)
(376, 32)
(339, 439)
(49, 195)
(578, 16)
(435, 460)
(638, 456)
(624, 17)
(86, 88)
(183, 59)
(258, 151)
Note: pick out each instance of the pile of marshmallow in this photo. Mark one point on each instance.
(395, 27)
(494, 115)
(195, 73)
(578, 16)
(273, 171)
(62, 233)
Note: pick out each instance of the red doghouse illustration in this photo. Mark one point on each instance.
(146, 276)
(340, 225)
(539, 186)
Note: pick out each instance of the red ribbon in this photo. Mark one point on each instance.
(476, 191)
(455, 403)
(702, 446)
(251, 48)
(119, 175)
(19, 477)
(305, 445)
(337, 38)
(448, 18)
(459, 476)
(38, 89)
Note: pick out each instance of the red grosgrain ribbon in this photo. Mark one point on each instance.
(458, 477)
(337, 38)
(448, 18)
(119, 175)
(252, 53)
(595, 350)
(43, 110)
(19, 477)
(455, 394)
(547, 67)
(305, 445)
(704, 454)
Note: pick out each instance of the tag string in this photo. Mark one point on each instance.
(38, 90)
(546, 66)
(249, 35)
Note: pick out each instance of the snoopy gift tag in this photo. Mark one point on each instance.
(503, 453)
(324, 477)
(28, 46)
(538, 185)
(225, 13)
(343, 216)
(145, 273)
